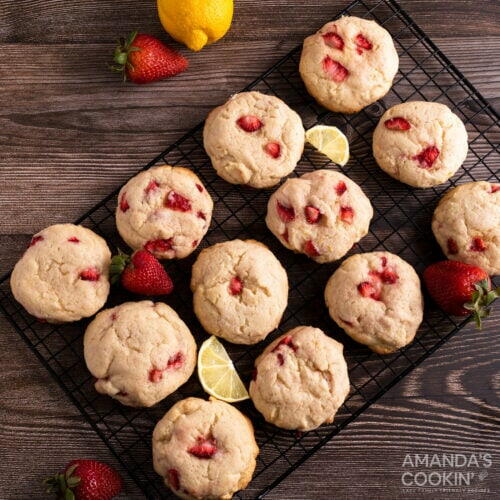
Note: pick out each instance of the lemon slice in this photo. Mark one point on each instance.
(331, 142)
(217, 373)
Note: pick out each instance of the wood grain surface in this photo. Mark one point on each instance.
(70, 132)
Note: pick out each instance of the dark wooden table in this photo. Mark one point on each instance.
(71, 132)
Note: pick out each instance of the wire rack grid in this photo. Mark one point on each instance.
(401, 225)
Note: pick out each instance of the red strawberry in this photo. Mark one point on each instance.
(495, 188)
(249, 123)
(397, 123)
(204, 448)
(85, 480)
(90, 274)
(273, 149)
(478, 244)
(173, 479)
(346, 214)
(312, 214)
(427, 157)
(286, 341)
(335, 70)
(333, 40)
(452, 246)
(73, 239)
(175, 361)
(124, 206)
(286, 214)
(155, 375)
(235, 286)
(368, 289)
(35, 240)
(152, 186)
(310, 249)
(389, 277)
(461, 289)
(362, 43)
(176, 201)
(341, 188)
(159, 246)
(144, 58)
(142, 273)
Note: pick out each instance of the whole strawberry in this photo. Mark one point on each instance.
(461, 289)
(142, 273)
(143, 59)
(85, 480)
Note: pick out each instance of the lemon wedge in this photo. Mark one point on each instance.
(331, 142)
(217, 373)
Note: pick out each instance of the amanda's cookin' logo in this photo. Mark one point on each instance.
(446, 471)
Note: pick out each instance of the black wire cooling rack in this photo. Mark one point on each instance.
(401, 225)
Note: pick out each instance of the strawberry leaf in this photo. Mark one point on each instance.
(70, 471)
(118, 264)
(73, 481)
(481, 301)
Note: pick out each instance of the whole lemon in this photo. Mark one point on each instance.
(196, 23)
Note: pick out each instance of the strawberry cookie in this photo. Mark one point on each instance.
(64, 274)
(376, 298)
(466, 224)
(254, 139)
(165, 210)
(321, 214)
(420, 143)
(204, 449)
(348, 64)
(139, 352)
(240, 290)
(300, 380)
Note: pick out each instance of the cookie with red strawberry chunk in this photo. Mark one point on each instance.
(466, 224)
(240, 290)
(253, 139)
(63, 275)
(300, 380)
(164, 210)
(204, 449)
(376, 298)
(139, 352)
(321, 214)
(348, 64)
(420, 143)
(141, 273)
(86, 480)
(461, 289)
(143, 58)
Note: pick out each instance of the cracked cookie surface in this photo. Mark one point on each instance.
(376, 298)
(139, 352)
(64, 274)
(300, 380)
(254, 139)
(240, 290)
(204, 449)
(466, 224)
(420, 143)
(320, 214)
(165, 210)
(348, 64)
